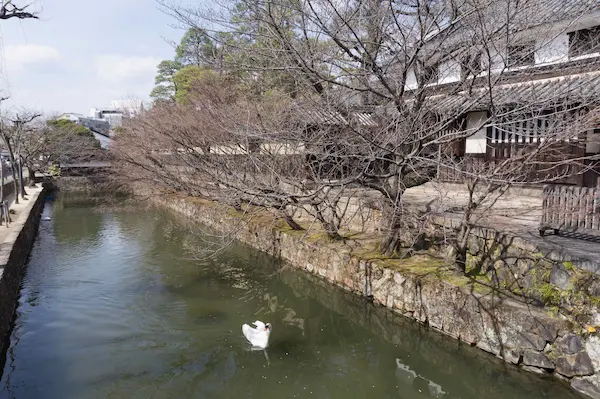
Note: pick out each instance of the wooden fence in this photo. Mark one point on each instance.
(567, 208)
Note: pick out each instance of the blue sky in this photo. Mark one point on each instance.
(83, 53)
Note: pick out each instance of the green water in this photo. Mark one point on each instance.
(114, 306)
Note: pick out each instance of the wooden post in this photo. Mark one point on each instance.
(596, 211)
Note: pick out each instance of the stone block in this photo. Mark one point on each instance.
(528, 281)
(578, 364)
(592, 347)
(489, 344)
(545, 328)
(537, 359)
(510, 260)
(512, 356)
(528, 341)
(536, 370)
(531, 337)
(560, 277)
(589, 386)
(569, 344)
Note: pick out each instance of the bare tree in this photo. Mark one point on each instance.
(12, 131)
(386, 55)
(9, 10)
(372, 97)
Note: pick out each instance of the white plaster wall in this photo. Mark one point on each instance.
(283, 148)
(105, 142)
(227, 149)
(496, 57)
(593, 143)
(476, 143)
(552, 49)
(449, 71)
(411, 80)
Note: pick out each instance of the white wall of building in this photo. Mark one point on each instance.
(411, 80)
(130, 107)
(449, 72)
(593, 143)
(551, 46)
(476, 143)
(105, 142)
(554, 49)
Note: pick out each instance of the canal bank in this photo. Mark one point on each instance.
(16, 242)
(525, 334)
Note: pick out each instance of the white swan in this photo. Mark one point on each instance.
(259, 336)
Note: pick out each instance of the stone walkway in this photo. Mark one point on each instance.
(18, 208)
(519, 215)
(512, 213)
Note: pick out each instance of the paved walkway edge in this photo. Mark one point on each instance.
(14, 252)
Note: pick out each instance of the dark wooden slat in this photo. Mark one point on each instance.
(570, 208)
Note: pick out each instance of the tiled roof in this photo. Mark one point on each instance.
(557, 10)
(531, 13)
(581, 88)
(540, 94)
(329, 117)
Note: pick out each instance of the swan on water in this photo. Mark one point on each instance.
(46, 218)
(259, 336)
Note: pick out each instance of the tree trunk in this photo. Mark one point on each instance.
(391, 240)
(13, 165)
(2, 181)
(462, 241)
(330, 228)
(460, 258)
(331, 231)
(461, 246)
(21, 181)
(15, 182)
(290, 221)
(31, 173)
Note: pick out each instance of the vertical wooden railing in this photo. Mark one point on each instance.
(570, 208)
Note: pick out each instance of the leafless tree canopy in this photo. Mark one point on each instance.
(9, 10)
(317, 103)
(35, 144)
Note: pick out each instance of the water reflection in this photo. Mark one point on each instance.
(121, 310)
(409, 378)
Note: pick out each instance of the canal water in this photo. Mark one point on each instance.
(116, 304)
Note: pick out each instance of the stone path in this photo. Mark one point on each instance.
(517, 214)
(18, 208)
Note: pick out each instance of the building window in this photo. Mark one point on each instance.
(430, 74)
(585, 41)
(471, 65)
(521, 55)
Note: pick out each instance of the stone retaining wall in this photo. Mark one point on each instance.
(522, 334)
(100, 183)
(14, 252)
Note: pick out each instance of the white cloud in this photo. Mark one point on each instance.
(20, 56)
(118, 68)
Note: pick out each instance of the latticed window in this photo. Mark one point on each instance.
(430, 74)
(533, 128)
(471, 65)
(521, 55)
(584, 42)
